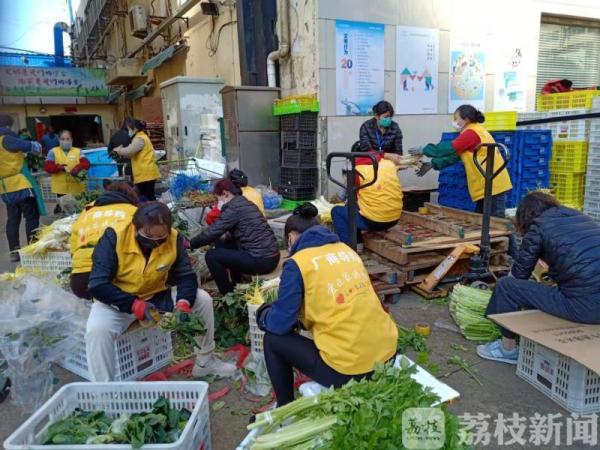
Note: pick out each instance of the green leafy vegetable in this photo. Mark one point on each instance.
(467, 308)
(187, 325)
(408, 337)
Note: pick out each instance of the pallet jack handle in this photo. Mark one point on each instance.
(350, 185)
(488, 174)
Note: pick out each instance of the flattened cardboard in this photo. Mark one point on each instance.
(578, 341)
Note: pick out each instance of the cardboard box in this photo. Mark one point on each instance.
(578, 341)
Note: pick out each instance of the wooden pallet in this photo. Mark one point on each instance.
(442, 225)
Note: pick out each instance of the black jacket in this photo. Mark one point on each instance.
(391, 141)
(248, 227)
(121, 137)
(104, 269)
(569, 242)
(111, 198)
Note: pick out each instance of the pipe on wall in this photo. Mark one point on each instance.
(283, 9)
(59, 47)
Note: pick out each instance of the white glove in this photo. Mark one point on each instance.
(36, 147)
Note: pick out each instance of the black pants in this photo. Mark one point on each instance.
(79, 285)
(28, 209)
(513, 294)
(283, 353)
(221, 259)
(146, 189)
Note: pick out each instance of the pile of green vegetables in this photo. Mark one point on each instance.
(188, 326)
(408, 337)
(85, 198)
(361, 415)
(467, 308)
(162, 425)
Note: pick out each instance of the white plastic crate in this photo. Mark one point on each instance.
(570, 130)
(570, 384)
(139, 352)
(116, 399)
(47, 194)
(256, 336)
(594, 214)
(52, 263)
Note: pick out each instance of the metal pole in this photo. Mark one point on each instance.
(352, 207)
(487, 205)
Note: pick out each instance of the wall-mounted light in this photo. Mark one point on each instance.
(43, 110)
(209, 8)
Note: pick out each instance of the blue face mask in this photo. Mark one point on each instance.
(384, 122)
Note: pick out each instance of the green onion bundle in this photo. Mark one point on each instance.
(467, 308)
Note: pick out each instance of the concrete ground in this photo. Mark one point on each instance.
(502, 392)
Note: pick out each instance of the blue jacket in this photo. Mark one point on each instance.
(569, 242)
(49, 142)
(12, 143)
(283, 315)
(104, 268)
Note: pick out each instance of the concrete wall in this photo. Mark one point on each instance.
(514, 20)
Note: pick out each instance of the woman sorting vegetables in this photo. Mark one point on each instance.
(380, 205)
(568, 242)
(113, 209)
(244, 241)
(143, 161)
(133, 269)
(325, 285)
(468, 122)
(66, 166)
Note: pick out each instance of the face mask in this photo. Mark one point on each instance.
(385, 122)
(456, 126)
(130, 133)
(66, 145)
(148, 243)
(220, 204)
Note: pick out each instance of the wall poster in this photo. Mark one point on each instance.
(359, 66)
(466, 80)
(417, 70)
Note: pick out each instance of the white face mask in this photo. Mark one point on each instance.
(220, 204)
(456, 125)
(130, 132)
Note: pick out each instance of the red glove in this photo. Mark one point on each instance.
(213, 215)
(183, 306)
(142, 310)
(186, 244)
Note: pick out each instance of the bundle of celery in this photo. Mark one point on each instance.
(360, 415)
(467, 308)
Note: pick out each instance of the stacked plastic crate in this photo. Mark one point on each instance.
(569, 154)
(529, 154)
(591, 201)
(299, 169)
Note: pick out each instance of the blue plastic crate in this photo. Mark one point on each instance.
(101, 166)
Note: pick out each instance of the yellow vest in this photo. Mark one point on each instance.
(11, 178)
(254, 196)
(63, 182)
(89, 228)
(382, 201)
(136, 276)
(143, 163)
(340, 308)
(475, 180)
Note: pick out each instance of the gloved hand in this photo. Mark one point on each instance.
(143, 310)
(416, 151)
(261, 316)
(187, 244)
(36, 147)
(425, 167)
(74, 171)
(183, 306)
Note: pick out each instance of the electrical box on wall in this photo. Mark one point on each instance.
(138, 21)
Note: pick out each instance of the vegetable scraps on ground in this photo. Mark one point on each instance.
(408, 337)
(164, 424)
(361, 415)
(467, 307)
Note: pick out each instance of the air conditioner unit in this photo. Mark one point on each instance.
(138, 21)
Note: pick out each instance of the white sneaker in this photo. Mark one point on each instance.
(213, 366)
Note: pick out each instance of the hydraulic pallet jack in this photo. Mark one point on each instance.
(479, 264)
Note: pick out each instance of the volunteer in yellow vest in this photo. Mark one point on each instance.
(240, 180)
(468, 121)
(114, 209)
(66, 166)
(18, 189)
(133, 270)
(143, 160)
(325, 285)
(380, 205)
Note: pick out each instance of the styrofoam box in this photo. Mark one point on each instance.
(139, 352)
(116, 399)
(51, 263)
(570, 384)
